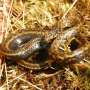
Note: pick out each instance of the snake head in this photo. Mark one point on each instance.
(70, 44)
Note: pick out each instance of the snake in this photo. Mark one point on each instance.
(22, 45)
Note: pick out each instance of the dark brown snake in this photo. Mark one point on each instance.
(21, 46)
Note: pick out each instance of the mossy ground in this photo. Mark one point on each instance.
(39, 15)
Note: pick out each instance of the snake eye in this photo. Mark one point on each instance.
(74, 44)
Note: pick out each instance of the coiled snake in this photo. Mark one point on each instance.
(21, 46)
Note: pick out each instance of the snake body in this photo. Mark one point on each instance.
(23, 45)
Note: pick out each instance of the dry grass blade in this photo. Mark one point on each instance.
(12, 80)
(30, 84)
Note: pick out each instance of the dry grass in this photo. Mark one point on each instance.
(38, 15)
